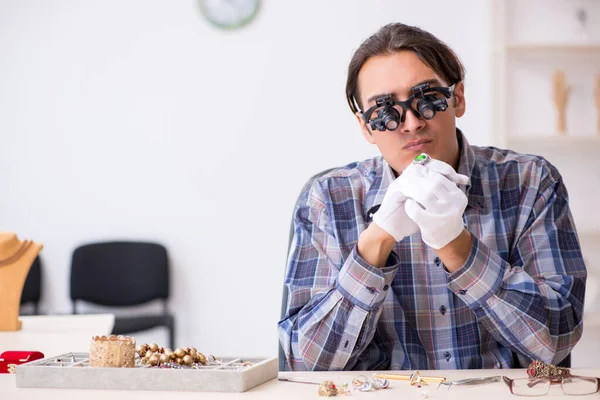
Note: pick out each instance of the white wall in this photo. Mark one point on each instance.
(137, 120)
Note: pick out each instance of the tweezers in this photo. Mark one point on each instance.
(472, 381)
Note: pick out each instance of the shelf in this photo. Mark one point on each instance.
(589, 236)
(554, 140)
(555, 147)
(541, 47)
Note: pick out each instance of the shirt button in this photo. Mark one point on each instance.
(385, 287)
(371, 289)
(447, 356)
(443, 309)
(462, 291)
(437, 261)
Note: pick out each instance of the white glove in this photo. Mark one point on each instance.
(435, 203)
(392, 217)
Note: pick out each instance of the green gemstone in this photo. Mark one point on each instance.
(421, 157)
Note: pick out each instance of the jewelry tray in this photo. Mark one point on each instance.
(72, 371)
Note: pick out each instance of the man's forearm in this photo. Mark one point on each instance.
(534, 317)
(455, 254)
(375, 245)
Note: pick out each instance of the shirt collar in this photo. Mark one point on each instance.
(384, 176)
(467, 166)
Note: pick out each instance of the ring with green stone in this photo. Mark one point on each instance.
(421, 159)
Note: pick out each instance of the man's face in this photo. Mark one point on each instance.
(397, 74)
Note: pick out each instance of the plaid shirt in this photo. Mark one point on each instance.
(518, 297)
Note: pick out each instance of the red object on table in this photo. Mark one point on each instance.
(10, 359)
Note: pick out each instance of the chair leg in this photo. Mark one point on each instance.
(172, 335)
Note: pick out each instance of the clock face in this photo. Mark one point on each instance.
(229, 14)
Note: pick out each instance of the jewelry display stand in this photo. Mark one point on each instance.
(597, 92)
(72, 371)
(16, 258)
(561, 95)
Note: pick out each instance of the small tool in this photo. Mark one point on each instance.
(414, 378)
(472, 381)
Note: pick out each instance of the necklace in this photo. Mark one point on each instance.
(17, 254)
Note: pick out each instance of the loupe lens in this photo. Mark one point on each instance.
(391, 118)
(426, 107)
(427, 113)
(391, 124)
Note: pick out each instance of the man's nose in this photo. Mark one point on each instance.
(412, 123)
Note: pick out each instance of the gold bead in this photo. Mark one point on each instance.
(153, 360)
(149, 354)
(187, 350)
(193, 352)
(188, 360)
(164, 358)
(169, 353)
(179, 353)
(141, 350)
(154, 347)
(179, 360)
(200, 358)
(161, 350)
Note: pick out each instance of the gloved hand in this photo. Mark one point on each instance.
(392, 216)
(434, 201)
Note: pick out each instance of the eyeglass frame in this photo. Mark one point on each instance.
(418, 91)
(553, 380)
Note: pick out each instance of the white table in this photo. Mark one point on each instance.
(57, 334)
(54, 335)
(275, 389)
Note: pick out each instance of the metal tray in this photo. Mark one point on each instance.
(72, 371)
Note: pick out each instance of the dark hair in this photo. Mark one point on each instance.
(396, 37)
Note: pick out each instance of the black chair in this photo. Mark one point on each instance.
(32, 290)
(282, 361)
(123, 274)
(566, 362)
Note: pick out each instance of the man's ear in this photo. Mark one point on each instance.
(364, 128)
(460, 104)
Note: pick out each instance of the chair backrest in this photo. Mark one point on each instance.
(566, 362)
(282, 361)
(119, 273)
(32, 290)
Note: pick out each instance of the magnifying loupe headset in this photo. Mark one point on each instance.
(428, 104)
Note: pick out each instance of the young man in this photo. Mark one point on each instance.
(465, 257)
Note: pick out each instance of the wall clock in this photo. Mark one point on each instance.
(229, 14)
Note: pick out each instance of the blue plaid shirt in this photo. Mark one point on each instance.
(518, 297)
